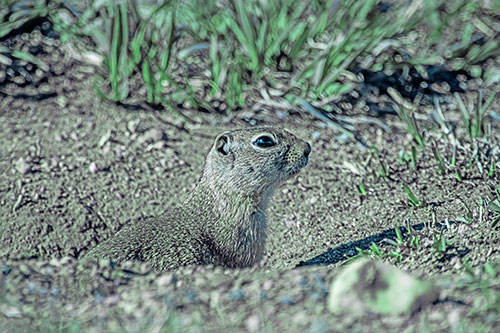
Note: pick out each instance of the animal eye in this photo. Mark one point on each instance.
(264, 141)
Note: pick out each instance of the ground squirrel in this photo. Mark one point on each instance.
(223, 221)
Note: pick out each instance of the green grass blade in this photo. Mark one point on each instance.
(125, 65)
(303, 31)
(114, 53)
(399, 235)
(30, 58)
(246, 34)
(376, 250)
(413, 161)
(439, 160)
(413, 198)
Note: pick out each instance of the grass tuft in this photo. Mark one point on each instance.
(310, 49)
(473, 116)
(440, 244)
(439, 159)
(403, 112)
(412, 198)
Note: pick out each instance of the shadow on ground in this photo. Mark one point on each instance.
(350, 249)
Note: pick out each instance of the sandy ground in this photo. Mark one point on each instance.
(74, 169)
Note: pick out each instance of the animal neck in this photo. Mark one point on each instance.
(239, 223)
(226, 202)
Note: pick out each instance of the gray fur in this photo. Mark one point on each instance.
(223, 222)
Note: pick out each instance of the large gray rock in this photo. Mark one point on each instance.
(372, 286)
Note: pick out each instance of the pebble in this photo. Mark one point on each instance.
(132, 125)
(10, 311)
(156, 146)
(267, 285)
(23, 166)
(166, 280)
(252, 323)
(105, 138)
(152, 135)
(94, 167)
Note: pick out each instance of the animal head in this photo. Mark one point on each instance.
(255, 160)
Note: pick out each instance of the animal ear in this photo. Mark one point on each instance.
(222, 145)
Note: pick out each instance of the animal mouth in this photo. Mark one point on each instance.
(295, 169)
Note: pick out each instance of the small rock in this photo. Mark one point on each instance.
(23, 166)
(214, 299)
(92, 58)
(267, 285)
(152, 135)
(132, 125)
(66, 16)
(290, 223)
(454, 317)
(252, 323)
(166, 280)
(10, 311)
(62, 101)
(59, 137)
(105, 138)
(156, 146)
(119, 151)
(94, 167)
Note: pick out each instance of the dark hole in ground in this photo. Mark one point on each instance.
(30, 25)
(409, 85)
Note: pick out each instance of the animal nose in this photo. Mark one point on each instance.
(307, 151)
